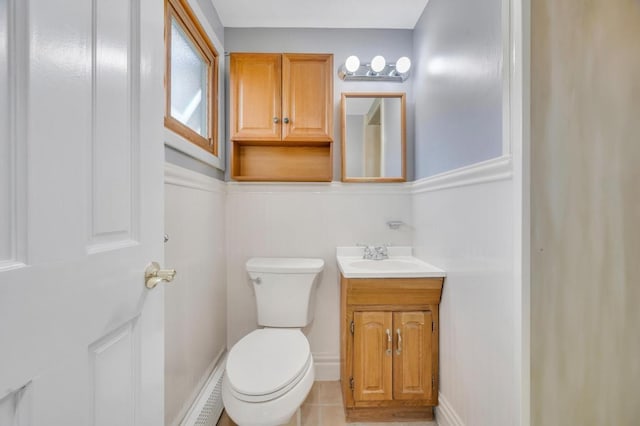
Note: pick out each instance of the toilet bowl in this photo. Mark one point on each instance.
(269, 374)
(270, 371)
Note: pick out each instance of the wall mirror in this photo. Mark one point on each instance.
(373, 137)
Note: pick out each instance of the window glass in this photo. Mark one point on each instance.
(188, 82)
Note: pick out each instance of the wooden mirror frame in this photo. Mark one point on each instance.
(403, 137)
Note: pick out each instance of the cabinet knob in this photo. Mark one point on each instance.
(276, 120)
(285, 120)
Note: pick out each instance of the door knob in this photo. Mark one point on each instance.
(153, 275)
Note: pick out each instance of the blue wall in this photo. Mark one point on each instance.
(457, 85)
(366, 43)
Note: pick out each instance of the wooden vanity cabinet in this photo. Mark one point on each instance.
(389, 347)
(281, 116)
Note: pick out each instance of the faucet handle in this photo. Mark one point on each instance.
(382, 252)
(369, 252)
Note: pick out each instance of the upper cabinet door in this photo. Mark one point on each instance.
(307, 98)
(256, 82)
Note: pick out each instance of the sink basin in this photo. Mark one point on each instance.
(385, 265)
(400, 264)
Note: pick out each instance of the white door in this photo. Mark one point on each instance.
(81, 178)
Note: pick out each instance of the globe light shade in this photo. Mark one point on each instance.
(403, 65)
(378, 63)
(352, 64)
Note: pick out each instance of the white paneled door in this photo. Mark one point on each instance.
(81, 212)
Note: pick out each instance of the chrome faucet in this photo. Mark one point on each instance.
(378, 252)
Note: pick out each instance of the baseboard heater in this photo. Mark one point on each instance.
(207, 407)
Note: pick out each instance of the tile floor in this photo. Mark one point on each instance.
(323, 407)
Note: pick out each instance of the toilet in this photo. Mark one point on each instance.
(270, 371)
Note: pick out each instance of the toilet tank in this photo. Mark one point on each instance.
(285, 289)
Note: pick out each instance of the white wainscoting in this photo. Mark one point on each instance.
(307, 220)
(195, 303)
(496, 169)
(461, 221)
(464, 224)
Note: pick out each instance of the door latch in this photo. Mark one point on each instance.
(153, 275)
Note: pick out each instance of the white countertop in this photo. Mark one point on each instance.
(400, 264)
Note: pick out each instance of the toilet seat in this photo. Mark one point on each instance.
(267, 363)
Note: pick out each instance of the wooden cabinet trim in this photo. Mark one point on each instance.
(395, 291)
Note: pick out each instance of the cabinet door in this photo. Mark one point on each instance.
(256, 85)
(413, 375)
(372, 356)
(307, 98)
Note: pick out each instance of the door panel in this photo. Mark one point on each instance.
(85, 165)
(413, 364)
(256, 82)
(7, 145)
(115, 136)
(371, 360)
(114, 369)
(307, 97)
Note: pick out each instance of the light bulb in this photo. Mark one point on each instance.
(403, 64)
(352, 64)
(378, 63)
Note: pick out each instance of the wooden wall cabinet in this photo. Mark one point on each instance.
(389, 348)
(281, 116)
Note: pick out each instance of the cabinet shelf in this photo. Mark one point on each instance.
(290, 163)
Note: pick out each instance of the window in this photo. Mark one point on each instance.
(191, 78)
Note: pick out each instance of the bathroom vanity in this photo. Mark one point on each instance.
(389, 336)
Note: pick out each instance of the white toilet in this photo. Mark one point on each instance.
(270, 371)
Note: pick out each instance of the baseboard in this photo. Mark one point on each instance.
(327, 367)
(207, 407)
(445, 414)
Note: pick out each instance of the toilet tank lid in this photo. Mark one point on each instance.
(285, 265)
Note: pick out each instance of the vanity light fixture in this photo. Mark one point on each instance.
(352, 64)
(403, 65)
(377, 70)
(378, 63)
